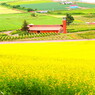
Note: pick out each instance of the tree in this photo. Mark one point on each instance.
(69, 19)
(34, 15)
(24, 26)
(29, 9)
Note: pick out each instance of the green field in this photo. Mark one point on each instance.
(88, 35)
(86, 5)
(64, 68)
(15, 21)
(74, 12)
(55, 6)
(46, 6)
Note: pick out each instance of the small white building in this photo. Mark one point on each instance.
(66, 2)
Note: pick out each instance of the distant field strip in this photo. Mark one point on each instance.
(54, 6)
(4, 10)
(15, 2)
(46, 6)
(87, 5)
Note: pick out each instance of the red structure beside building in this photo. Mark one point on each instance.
(48, 28)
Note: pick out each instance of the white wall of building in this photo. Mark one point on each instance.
(89, 1)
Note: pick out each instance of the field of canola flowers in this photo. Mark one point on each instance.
(4, 10)
(64, 68)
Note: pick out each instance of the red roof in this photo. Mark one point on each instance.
(73, 5)
(45, 27)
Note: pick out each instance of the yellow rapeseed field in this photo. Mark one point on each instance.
(4, 10)
(62, 68)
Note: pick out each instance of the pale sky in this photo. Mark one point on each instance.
(91, 1)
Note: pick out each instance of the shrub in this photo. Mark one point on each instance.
(34, 15)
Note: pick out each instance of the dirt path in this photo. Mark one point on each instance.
(7, 32)
(60, 16)
(13, 42)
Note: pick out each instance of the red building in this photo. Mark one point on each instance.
(47, 28)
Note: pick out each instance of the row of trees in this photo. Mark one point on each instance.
(18, 7)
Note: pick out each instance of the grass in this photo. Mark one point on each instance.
(80, 28)
(17, 20)
(64, 68)
(4, 10)
(75, 12)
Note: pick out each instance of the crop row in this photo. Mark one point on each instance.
(80, 27)
(88, 35)
(23, 36)
(17, 7)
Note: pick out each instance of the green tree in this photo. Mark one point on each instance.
(24, 26)
(34, 15)
(69, 19)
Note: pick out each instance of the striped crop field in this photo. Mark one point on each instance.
(55, 6)
(57, 68)
(4, 10)
(46, 6)
(86, 5)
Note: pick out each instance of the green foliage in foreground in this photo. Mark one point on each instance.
(34, 86)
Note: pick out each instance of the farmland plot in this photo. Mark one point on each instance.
(86, 5)
(15, 21)
(46, 6)
(65, 68)
(56, 6)
(19, 2)
(4, 10)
